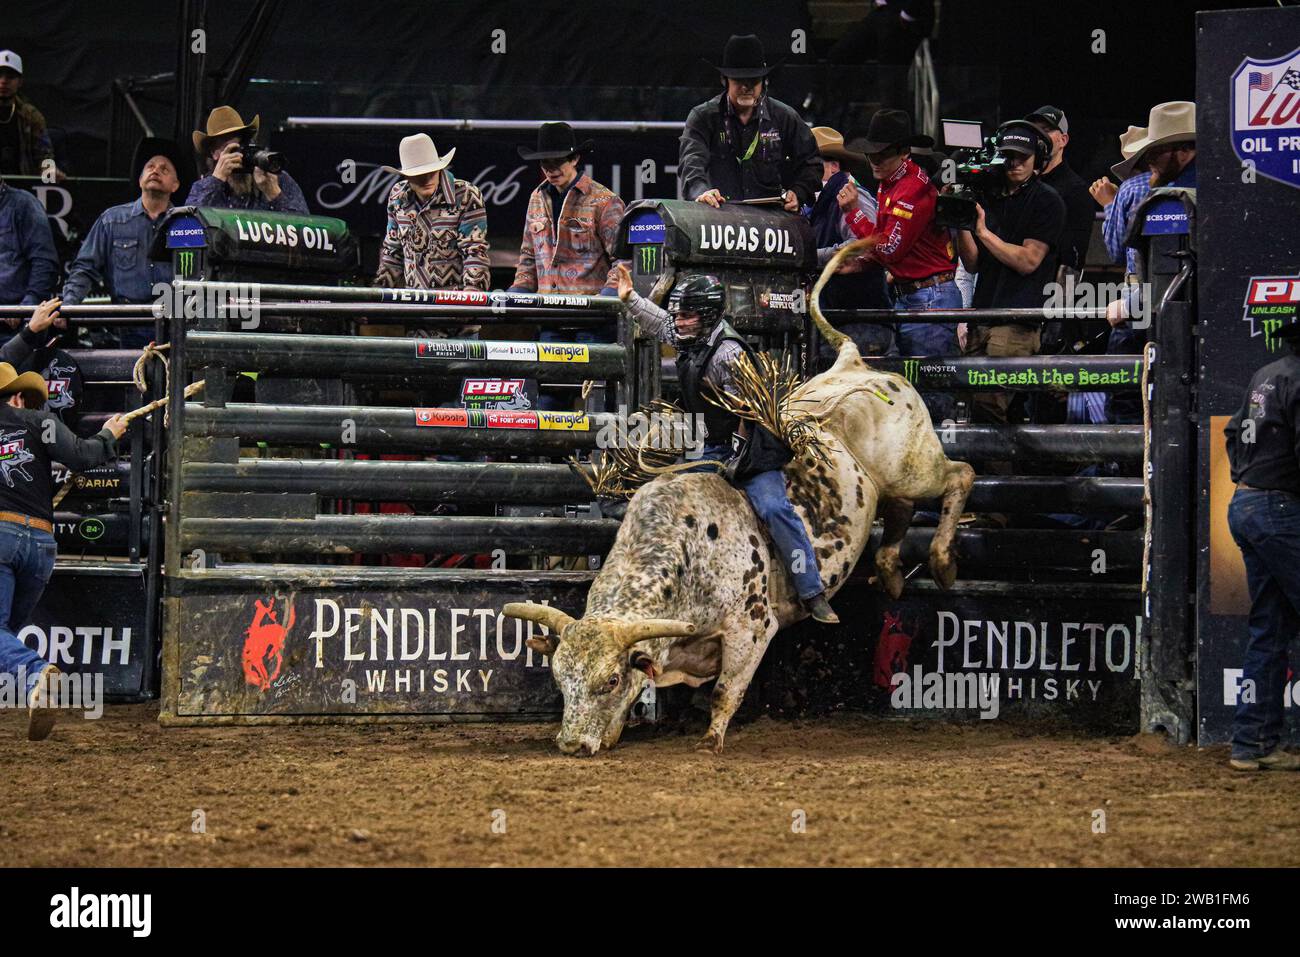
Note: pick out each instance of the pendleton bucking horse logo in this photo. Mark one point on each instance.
(14, 456)
(1266, 116)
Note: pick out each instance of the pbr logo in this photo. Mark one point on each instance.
(1266, 116)
(1271, 303)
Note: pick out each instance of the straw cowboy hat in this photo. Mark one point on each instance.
(30, 384)
(1172, 122)
(221, 122)
(1127, 141)
(830, 144)
(418, 156)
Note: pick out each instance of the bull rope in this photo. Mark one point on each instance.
(156, 352)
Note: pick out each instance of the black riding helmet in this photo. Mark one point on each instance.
(702, 294)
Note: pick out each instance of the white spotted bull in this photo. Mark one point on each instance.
(691, 591)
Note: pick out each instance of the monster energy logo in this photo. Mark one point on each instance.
(649, 258)
(185, 262)
(1271, 342)
(911, 368)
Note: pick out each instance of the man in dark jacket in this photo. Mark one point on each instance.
(30, 439)
(1264, 518)
(744, 145)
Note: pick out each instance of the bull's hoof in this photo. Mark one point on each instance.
(711, 742)
(943, 571)
(889, 580)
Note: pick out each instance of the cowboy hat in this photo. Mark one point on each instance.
(30, 384)
(743, 59)
(555, 141)
(1173, 122)
(891, 128)
(418, 156)
(151, 146)
(223, 121)
(1127, 141)
(830, 144)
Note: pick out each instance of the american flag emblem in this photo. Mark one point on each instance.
(1260, 81)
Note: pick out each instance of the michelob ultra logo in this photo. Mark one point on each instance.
(562, 352)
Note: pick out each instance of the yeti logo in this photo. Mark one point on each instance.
(14, 457)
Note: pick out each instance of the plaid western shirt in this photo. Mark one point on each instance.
(580, 259)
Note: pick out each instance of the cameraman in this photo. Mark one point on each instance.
(231, 184)
(1012, 252)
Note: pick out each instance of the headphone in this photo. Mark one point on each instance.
(1042, 142)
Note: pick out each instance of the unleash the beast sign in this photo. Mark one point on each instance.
(1266, 116)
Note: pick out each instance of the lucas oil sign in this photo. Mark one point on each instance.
(1266, 116)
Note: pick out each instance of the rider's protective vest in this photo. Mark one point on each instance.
(692, 363)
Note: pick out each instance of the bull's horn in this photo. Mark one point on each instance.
(832, 336)
(655, 628)
(552, 618)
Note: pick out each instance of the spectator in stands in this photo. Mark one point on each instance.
(228, 183)
(1119, 202)
(29, 266)
(25, 145)
(115, 253)
(572, 221)
(34, 438)
(917, 252)
(1168, 151)
(1012, 250)
(862, 284)
(742, 144)
(1080, 213)
(889, 33)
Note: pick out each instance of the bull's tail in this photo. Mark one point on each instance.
(834, 338)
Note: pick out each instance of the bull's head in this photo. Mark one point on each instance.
(598, 668)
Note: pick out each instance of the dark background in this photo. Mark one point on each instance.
(996, 58)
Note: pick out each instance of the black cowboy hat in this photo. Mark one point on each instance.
(555, 141)
(891, 128)
(743, 59)
(151, 146)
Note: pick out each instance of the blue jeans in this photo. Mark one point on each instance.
(766, 494)
(931, 339)
(26, 564)
(1266, 527)
(547, 402)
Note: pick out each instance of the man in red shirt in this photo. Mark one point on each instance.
(918, 254)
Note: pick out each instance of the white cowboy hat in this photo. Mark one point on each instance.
(419, 156)
(1171, 122)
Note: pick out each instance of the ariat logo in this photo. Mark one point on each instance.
(648, 259)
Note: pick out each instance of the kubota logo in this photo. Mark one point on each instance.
(264, 645)
(649, 258)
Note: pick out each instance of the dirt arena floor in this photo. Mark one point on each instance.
(123, 791)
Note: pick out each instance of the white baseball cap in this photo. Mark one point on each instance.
(12, 60)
